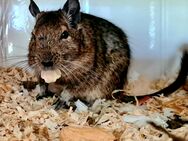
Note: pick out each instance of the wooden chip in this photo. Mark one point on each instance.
(85, 134)
(5, 88)
(1, 98)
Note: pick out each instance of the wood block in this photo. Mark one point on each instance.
(85, 134)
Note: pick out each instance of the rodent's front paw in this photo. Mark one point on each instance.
(39, 97)
(65, 100)
(44, 95)
(59, 104)
(29, 85)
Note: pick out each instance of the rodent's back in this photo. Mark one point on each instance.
(104, 31)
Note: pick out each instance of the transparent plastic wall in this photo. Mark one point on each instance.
(156, 29)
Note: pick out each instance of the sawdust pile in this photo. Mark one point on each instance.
(22, 118)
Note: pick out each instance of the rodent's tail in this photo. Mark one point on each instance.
(180, 80)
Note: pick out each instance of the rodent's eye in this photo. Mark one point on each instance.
(64, 35)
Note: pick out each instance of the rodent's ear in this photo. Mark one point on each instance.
(72, 10)
(33, 8)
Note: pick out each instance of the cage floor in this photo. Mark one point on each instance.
(22, 118)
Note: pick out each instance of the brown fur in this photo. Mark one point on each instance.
(93, 60)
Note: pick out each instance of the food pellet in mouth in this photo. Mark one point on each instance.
(50, 76)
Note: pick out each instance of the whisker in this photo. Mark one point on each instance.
(29, 68)
(24, 66)
(17, 64)
(36, 73)
(10, 60)
(85, 68)
(69, 73)
(79, 80)
(64, 71)
(17, 56)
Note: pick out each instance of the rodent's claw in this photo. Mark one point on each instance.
(39, 97)
(58, 104)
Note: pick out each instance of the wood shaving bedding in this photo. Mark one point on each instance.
(25, 119)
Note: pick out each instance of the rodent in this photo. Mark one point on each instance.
(92, 53)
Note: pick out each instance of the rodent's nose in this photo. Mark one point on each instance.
(47, 63)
